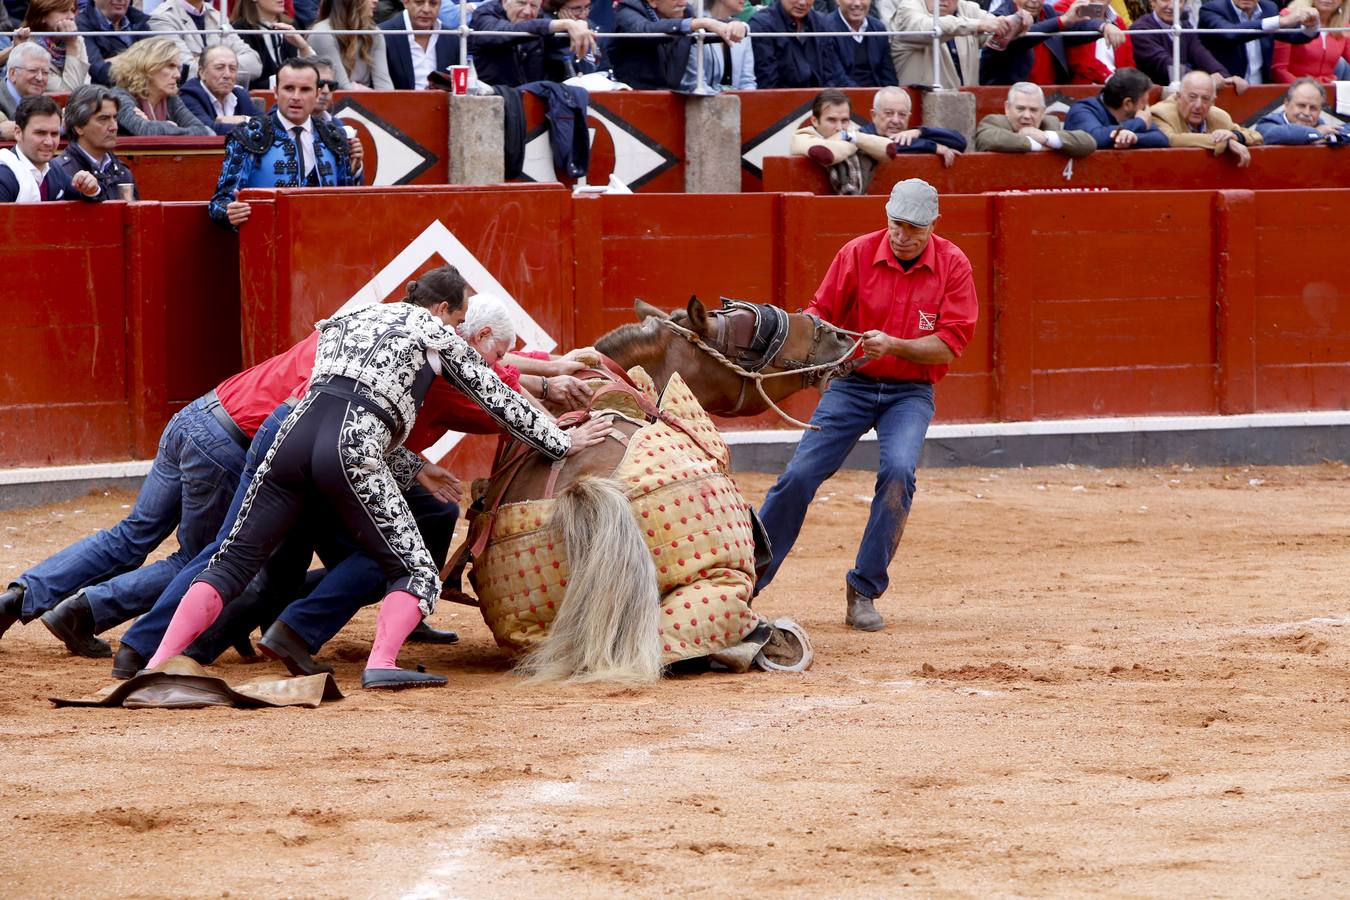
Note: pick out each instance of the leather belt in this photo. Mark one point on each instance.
(231, 427)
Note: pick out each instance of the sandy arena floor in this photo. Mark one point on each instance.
(1129, 682)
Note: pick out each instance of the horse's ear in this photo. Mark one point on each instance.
(698, 316)
(645, 310)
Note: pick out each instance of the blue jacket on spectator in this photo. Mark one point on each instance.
(791, 63)
(399, 54)
(102, 49)
(648, 64)
(1013, 63)
(927, 140)
(1275, 128)
(866, 62)
(1231, 49)
(198, 101)
(509, 61)
(1092, 116)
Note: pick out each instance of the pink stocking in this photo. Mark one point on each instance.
(196, 611)
(399, 615)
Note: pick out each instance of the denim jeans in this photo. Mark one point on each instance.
(145, 635)
(189, 485)
(849, 409)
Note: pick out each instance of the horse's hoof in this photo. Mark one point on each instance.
(787, 650)
(398, 679)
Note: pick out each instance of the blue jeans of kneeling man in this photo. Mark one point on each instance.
(900, 413)
(145, 635)
(189, 485)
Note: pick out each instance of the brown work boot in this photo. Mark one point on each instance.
(862, 612)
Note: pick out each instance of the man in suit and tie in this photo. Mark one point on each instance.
(123, 23)
(866, 59)
(1248, 52)
(26, 172)
(413, 57)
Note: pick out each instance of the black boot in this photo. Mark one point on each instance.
(127, 663)
(72, 622)
(11, 605)
(425, 634)
(283, 644)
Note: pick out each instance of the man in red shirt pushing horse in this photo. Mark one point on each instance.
(912, 296)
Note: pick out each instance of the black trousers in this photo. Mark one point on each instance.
(329, 456)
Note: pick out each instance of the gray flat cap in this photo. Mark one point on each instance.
(914, 201)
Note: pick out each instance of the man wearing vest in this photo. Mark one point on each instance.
(288, 147)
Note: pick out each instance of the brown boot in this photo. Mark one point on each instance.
(862, 612)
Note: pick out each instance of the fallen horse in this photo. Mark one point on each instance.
(641, 552)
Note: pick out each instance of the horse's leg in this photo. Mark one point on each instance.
(607, 625)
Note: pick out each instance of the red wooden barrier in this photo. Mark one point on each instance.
(1117, 170)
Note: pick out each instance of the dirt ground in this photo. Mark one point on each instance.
(1092, 682)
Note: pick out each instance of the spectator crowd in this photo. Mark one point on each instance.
(181, 68)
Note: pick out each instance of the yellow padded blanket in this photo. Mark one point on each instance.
(695, 522)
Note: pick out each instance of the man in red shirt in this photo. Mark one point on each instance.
(912, 296)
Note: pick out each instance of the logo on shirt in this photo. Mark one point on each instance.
(927, 322)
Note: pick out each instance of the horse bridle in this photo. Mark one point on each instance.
(763, 351)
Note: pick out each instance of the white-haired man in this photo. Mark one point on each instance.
(1189, 118)
(26, 75)
(1025, 127)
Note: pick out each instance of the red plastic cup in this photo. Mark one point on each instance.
(459, 79)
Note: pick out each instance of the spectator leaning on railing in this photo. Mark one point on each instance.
(146, 79)
(124, 24)
(25, 76)
(794, 62)
(1249, 52)
(1190, 119)
(214, 97)
(864, 55)
(91, 135)
(195, 25)
(650, 64)
(522, 56)
(964, 28)
(891, 112)
(1320, 57)
(560, 55)
(359, 60)
(69, 59)
(26, 172)
(831, 140)
(273, 49)
(1040, 54)
(1301, 120)
(1153, 52)
(288, 147)
(1025, 127)
(1118, 118)
(411, 58)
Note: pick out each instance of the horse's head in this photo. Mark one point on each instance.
(746, 342)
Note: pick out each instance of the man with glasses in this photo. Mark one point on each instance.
(26, 76)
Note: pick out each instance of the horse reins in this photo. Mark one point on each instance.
(757, 377)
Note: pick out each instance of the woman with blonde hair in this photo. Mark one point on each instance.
(359, 62)
(70, 62)
(145, 85)
(1317, 58)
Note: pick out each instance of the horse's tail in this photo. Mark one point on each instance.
(607, 626)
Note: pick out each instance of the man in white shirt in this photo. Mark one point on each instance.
(215, 96)
(1025, 127)
(413, 57)
(1247, 52)
(26, 173)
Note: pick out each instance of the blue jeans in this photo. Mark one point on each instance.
(189, 486)
(849, 409)
(145, 635)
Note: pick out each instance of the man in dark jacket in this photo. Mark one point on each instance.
(214, 96)
(1248, 52)
(865, 60)
(510, 61)
(91, 127)
(1048, 32)
(124, 24)
(784, 62)
(1301, 120)
(435, 52)
(26, 172)
(648, 64)
(1153, 52)
(1118, 118)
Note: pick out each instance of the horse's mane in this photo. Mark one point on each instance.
(634, 339)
